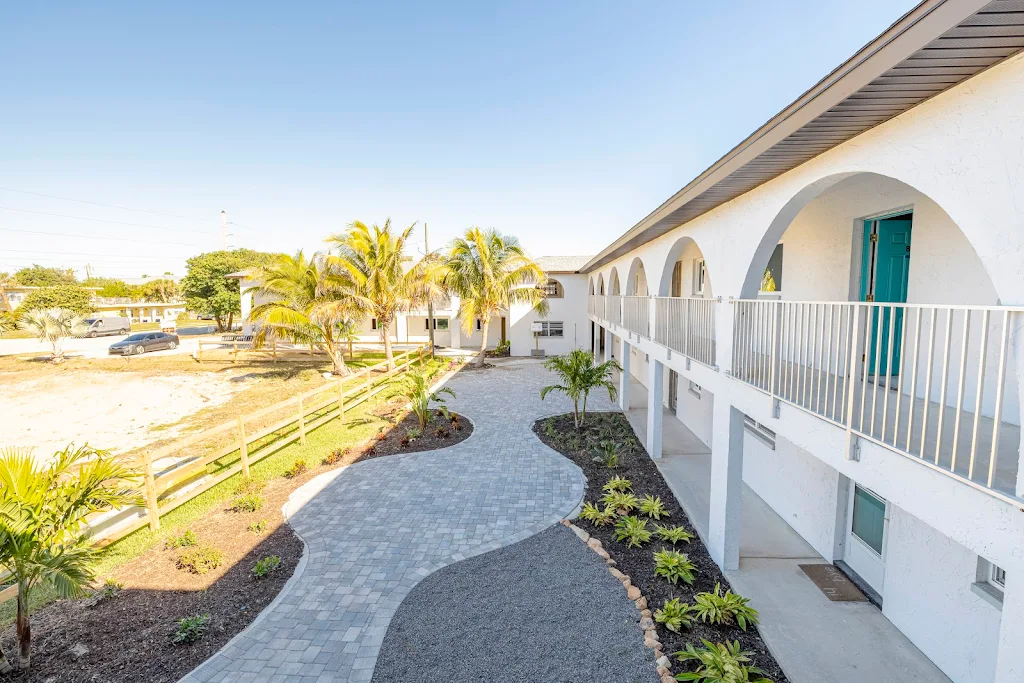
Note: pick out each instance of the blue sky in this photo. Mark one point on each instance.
(563, 123)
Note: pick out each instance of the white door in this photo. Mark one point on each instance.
(867, 524)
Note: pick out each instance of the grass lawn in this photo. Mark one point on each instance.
(360, 424)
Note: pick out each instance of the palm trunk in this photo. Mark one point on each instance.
(576, 413)
(483, 344)
(231, 320)
(3, 297)
(583, 415)
(24, 629)
(389, 353)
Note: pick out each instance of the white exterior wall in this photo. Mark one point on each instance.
(571, 310)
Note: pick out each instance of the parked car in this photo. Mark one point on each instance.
(102, 326)
(143, 342)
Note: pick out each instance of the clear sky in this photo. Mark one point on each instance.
(563, 123)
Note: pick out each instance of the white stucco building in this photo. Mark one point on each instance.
(835, 311)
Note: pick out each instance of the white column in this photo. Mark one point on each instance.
(607, 344)
(624, 376)
(1009, 664)
(402, 328)
(726, 484)
(655, 392)
(1016, 322)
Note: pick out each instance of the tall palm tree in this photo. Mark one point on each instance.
(373, 264)
(51, 325)
(489, 272)
(42, 514)
(303, 303)
(579, 376)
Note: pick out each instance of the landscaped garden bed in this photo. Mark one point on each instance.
(593, 447)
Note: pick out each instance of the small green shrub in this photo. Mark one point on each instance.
(249, 502)
(608, 453)
(727, 609)
(414, 433)
(186, 540)
(620, 500)
(200, 559)
(596, 515)
(335, 456)
(672, 534)
(265, 565)
(190, 629)
(674, 615)
(441, 433)
(297, 468)
(249, 486)
(720, 663)
(258, 527)
(549, 428)
(653, 507)
(632, 530)
(674, 566)
(617, 483)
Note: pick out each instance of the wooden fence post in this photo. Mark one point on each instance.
(152, 505)
(421, 356)
(199, 351)
(243, 449)
(273, 349)
(302, 422)
(341, 400)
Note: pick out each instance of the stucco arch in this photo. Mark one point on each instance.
(614, 287)
(600, 284)
(591, 286)
(635, 267)
(678, 247)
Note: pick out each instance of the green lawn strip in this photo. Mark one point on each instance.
(360, 424)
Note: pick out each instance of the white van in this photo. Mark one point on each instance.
(103, 326)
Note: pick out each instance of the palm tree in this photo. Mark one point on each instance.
(579, 375)
(51, 325)
(373, 264)
(6, 280)
(417, 390)
(42, 515)
(489, 272)
(303, 303)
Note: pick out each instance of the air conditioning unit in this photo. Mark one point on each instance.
(537, 353)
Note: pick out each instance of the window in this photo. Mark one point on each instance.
(553, 289)
(997, 576)
(991, 583)
(759, 431)
(699, 277)
(439, 323)
(694, 388)
(550, 329)
(771, 281)
(478, 326)
(868, 518)
(373, 323)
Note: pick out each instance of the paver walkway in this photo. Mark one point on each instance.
(377, 528)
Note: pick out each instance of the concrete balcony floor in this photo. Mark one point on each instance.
(814, 639)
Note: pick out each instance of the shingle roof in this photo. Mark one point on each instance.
(562, 264)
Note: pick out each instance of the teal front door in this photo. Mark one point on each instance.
(885, 278)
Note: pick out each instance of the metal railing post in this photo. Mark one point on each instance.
(851, 447)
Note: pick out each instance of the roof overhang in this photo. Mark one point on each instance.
(933, 47)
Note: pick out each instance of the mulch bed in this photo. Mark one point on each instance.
(441, 432)
(638, 563)
(127, 638)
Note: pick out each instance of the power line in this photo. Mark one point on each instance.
(101, 220)
(80, 253)
(97, 237)
(109, 206)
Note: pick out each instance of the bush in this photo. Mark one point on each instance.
(265, 565)
(190, 629)
(249, 502)
(608, 453)
(653, 507)
(70, 296)
(674, 566)
(335, 456)
(414, 433)
(297, 468)
(596, 515)
(258, 527)
(248, 485)
(674, 615)
(617, 483)
(200, 560)
(724, 610)
(186, 540)
(620, 500)
(441, 433)
(672, 534)
(720, 663)
(633, 531)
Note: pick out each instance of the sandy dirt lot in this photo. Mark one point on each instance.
(114, 411)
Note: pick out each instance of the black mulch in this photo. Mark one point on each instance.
(638, 563)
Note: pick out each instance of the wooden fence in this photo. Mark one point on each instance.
(189, 477)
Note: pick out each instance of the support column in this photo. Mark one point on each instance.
(726, 484)
(1016, 323)
(624, 376)
(607, 344)
(655, 393)
(1009, 665)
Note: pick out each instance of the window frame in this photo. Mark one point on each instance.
(559, 292)
(547, 326)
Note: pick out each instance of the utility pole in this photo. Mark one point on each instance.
(430, 303)
(224, 230)
(88, 272)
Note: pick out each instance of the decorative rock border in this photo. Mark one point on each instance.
(651, 639)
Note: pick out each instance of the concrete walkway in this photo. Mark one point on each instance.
(376, 529)
(813, 639)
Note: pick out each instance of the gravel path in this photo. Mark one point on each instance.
(376, 529)
(545, 609)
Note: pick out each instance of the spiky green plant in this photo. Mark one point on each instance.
(608, 453)
(187, 539)
(720, 663)
(617, 483)
(43, 509)
(632, 530)
(597, 516)
(622, 501)
(674, 566)
(51, 325)
(653, 507)
(265, 565)
(417, 390)
(257, 527)
(672, 534)
(730, 608)
(200, 559)
(579, 376)
(674, 615)
(249, 502)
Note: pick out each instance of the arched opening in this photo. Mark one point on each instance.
(591, 286)
(613, 283)
(600, 285)
(685, 272)
(636, 281)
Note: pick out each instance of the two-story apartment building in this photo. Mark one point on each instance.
(835, 309)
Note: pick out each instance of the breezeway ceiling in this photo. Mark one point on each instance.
(932, 48)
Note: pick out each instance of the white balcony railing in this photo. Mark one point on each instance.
(932, 382)
(636, 315)
(686, 325)
(595, 305)
(613, 309)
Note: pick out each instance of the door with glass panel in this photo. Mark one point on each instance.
(867, 522)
